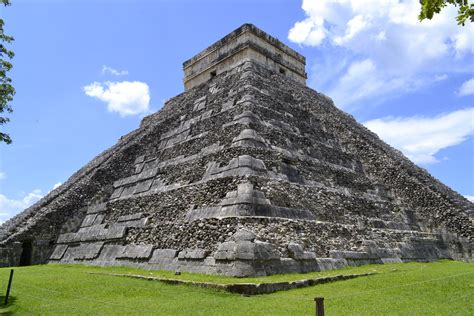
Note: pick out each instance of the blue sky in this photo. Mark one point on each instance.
(86, 72)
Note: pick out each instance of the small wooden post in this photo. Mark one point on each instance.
(319, 306)
(9, 287)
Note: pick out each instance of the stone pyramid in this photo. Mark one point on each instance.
(248, 172)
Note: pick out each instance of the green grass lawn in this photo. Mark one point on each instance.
(439, 288)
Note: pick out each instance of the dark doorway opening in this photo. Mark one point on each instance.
(26, 253)
(213, 73)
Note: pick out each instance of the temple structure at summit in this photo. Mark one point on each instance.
(247, 172)
(247, 43)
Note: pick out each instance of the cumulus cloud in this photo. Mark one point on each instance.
(382, 46)
(363, 80)
(467, 88)
(11, 207)
(124, 97)
(420, 138)
(114, 72)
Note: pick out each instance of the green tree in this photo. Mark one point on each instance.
(6, 89)
(430, 7)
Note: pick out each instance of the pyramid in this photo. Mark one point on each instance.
(248, 172)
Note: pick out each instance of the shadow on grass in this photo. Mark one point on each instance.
(4, 310)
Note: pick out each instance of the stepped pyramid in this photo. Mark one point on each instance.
(248, 172)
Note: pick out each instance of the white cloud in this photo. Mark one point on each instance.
(11, 207)
(404, 53)
(113, 72)
(125, 97)
(363, 80)
(470, 198)
(467, 88)
(307, 32)
(420, 138)
(3, 175)
(441, 77)
(354, 26)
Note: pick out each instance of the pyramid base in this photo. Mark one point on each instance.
(245, 256)
(243, 268)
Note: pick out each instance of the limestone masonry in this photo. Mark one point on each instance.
(248, 172)
(247, 43)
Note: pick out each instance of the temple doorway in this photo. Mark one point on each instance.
(26, 253)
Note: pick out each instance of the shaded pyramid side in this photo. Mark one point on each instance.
(250, 174)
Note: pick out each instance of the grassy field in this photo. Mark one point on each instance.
(439, 288)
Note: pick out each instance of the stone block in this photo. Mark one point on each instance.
(265, 251)
(330, 263)
(200, 104)
(227, 105)
(139, 168)
(88, 220)
(211, 149)
(66, 238)
(159, 254)
(351, 255)
(126, 181)
(244, 198)
(246, 187)
(94, 233)
(226, 202)
(247, 116)
(205, 115)
(99, 219)
(259, 201)
(225, 251)
(143, 186)
(94, 229)
(131, 217)
(231, 194)
(58, 252)
(244, 235)
(247, 134)
(391, 260)
(245, 250)
(158, 185)
(233, 163)
(193, 254)
(134, 252)
(109, 253)
(148, 173)
(87, 251)
(251, 162)
(296, 252)
(115, 232)
(139, 159)
(132, 223)
(128, 190)
(116, 194)
(97, 208)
